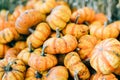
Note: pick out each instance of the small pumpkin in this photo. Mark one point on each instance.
(86, 14)
(13, 69)
(32, 74)
(41, 61)
(3, 50)
(85, 45)
(28, 19)
(101, 31)
(99, 76)
(20, 45)
(57, 73)
(76, 67)
(59, 16)
(31, 3)
(69, 43)
(39, 35)
(106, 56)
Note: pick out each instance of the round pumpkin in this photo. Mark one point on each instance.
(106, 56)
(39, 35)
(3, 50)
(20, 45)
(28, 19)
(59, 16)
(32, 74)
(58, 73)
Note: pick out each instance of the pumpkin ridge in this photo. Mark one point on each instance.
(14, 75)
(59, 17)
(54, 46)
(65, 44)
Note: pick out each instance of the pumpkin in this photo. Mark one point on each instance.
(41, 61)
(85, 45)
(12, 53)
(116, 24)
(3, 50)
(101, 31)
(28, 19)
(99, 76)
(8, 34)
(106, 56)
(13, 69)
(25, 54)
(31, 3)
(69, 43)
(54, 34)
(61, 2)
(117, 71)
(86, 14)
(57, 73)
(32, 74)
(76, 67)
(59, 16)
(75, 29)
(39, 35)
(20, 45)
(47, 6)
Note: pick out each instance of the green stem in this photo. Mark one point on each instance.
(76, 76)
(31, 30)
(30, 47)
(43, 50)
(105, 23)
(76, 21)
(38, 75)
(58, 33)
(6, 17)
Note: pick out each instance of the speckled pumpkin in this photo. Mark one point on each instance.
(106, 56)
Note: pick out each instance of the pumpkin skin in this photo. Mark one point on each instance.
(28, 19)
(20, 45)
(99, 76)
(3, 50)
(106, 56)
(41, 61)
(75, 66)
(57, 73)
(8, 34)
(116, 24)
(85, 45)
(86, 14)
(47, 6)
(69, 43)
(39, 35)
(103, 32)
(32, 74)
(60, 14)
(13, 69)
(76, 30)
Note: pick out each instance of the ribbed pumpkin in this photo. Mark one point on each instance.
(47, 6)
(75, 29)
(31, 3)
(57, 73)
(116, 24)
(101, 31)
(3, 50)
(28, 19)
(41, 61)
(59, 16)
(12, 69)
(86, 45)
(106, 56)
(39, 35)
(32, 74)
(99, 76)
(60, 45)
(86, 14)
(76, 67)
(20, 45)
(8, 34)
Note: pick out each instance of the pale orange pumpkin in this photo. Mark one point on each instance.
(3, 50)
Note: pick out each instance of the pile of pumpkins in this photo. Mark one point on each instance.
(47, 40)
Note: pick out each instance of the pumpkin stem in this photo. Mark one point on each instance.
(76, 76)
(109, 8)
(76, 21)
(105, 23)
(31, 30)
(8, 67)
(30, 47)
(58, 33)
(38, 75)
(6, 17)
(43, 50)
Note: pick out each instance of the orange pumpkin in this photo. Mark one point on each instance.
(116, 24)
(32, 74)
(86, 14)
(3, 50)
(101, 31)
(76, 67)
(13, 69)
(106, 56)
(69, 43)
(28, 19)
(57, 73)
(59, 16)
(99, 76)
(20, 45)
(86, 45)
(41, 61)
(31, 3)
(39, 35)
